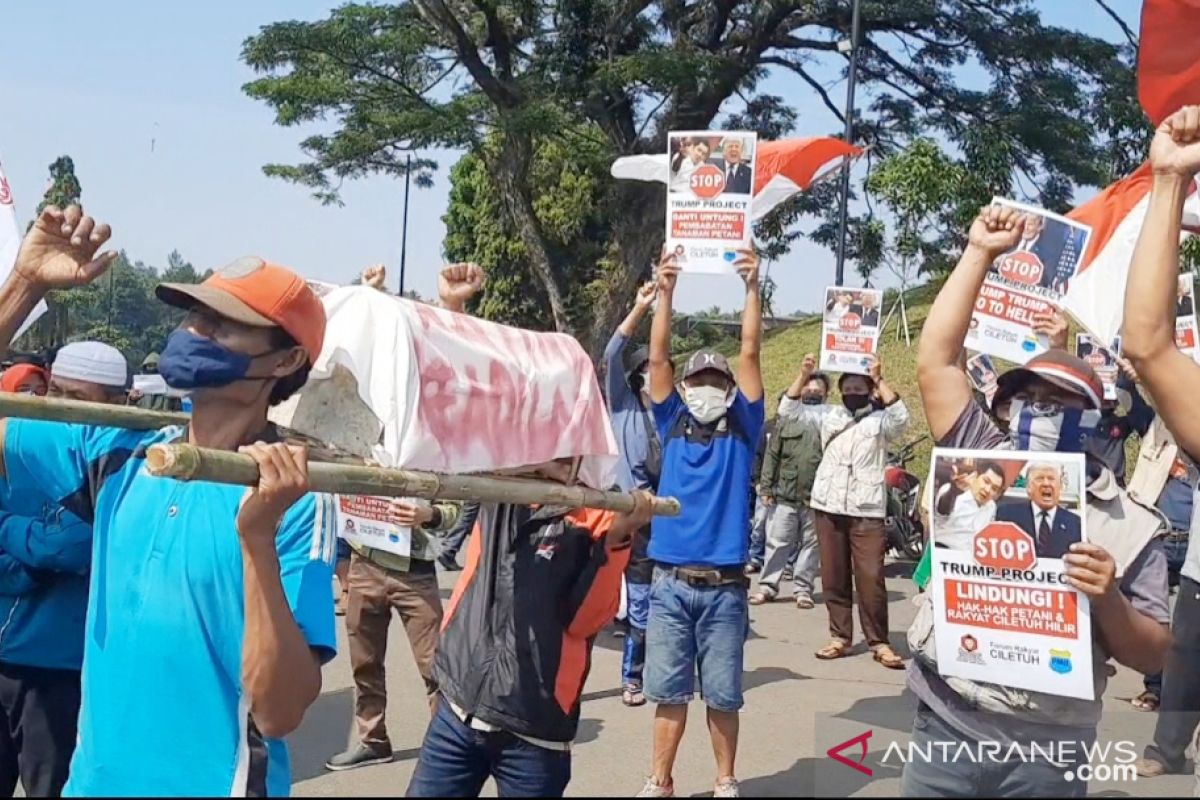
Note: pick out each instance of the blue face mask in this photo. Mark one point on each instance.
(193, 362)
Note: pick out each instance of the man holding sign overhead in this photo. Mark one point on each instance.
(1048, 405)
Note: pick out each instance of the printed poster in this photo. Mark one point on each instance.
(709, 191)
(850, 329)
(1185, 318)
(366, 520)
(1029, 280)
(1003, 611)
(1103, 360)
(982, 373)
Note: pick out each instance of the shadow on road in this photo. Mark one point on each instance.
(325, 731)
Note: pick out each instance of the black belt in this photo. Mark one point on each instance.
(710, 576)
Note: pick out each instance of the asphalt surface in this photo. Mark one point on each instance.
(797, 708)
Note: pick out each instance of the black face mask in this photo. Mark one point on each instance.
(812, 400)
(856, 402)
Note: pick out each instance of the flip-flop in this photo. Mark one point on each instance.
(759, 598)
(834, 650)
(887, 657)
(1146, 701)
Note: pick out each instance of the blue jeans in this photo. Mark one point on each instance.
(633, 660)
(1176, 550)
(696, 628)
(1034, 777)
(456, 761)
(452, 542)
(758, 534)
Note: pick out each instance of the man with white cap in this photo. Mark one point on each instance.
(209, 605)
(91, 371)
(41, 651)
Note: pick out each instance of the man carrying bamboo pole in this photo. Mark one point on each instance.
(538, 586)
(209, 604)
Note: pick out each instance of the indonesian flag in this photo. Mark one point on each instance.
(1168, 78)
(10, 243)
(781, 169)
(1169, 57)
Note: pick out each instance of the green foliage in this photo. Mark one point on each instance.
(603, 78)
(64, 188)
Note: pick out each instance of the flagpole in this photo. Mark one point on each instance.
(844, 211)
(404, 229)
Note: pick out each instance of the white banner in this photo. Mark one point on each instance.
(850, 334)
(709, 192)
(1003, 611)
(1029, 280)
(366, 521)
(10, 243)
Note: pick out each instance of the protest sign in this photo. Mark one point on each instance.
(1029, 280)
(1003, 611)
(709, 198)
(983, 375)
(1185, 319)
(850, 329)
(1103, 360)
(365, 520)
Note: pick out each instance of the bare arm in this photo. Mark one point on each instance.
(641, 304)
(662, 377)
(458, 283)
(59, 251)
(1171, 378)
(281, 675)
(945, 388)
(807, 368)
(749, 364)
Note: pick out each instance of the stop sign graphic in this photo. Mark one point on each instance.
(850, 322)
(1021, 267)
(1004, 545)
(708, 182)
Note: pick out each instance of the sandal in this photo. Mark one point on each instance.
(834, 650)
(758, 598)
(1146, 701)
(886, 656)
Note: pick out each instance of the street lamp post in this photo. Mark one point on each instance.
(404, 229)
(852, 47)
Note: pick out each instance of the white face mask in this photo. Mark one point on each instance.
(706, 403)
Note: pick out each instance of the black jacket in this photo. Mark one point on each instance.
(516, 642)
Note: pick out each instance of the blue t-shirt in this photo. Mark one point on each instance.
(707, 468)
(163, 710)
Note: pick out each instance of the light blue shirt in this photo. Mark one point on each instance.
(164, 711)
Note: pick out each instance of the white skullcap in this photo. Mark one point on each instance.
(93, 362)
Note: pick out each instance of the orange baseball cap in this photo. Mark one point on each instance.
(254, 292)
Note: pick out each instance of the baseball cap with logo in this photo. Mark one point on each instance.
(257, 293)
(1060, 368)
(704, 360)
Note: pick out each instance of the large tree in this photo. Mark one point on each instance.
(1051, 107)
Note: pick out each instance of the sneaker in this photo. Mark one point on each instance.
(632, 696)
(655, 789)
(448, 562)
(805, 602)
(358, 756)
(727, 787)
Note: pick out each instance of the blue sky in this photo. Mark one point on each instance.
(101, 82)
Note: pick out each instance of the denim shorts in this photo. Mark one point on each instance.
(695, 629)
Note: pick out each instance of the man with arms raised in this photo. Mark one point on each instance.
(209, 605)
(1047, 405)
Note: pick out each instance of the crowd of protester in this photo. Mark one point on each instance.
(117, 587)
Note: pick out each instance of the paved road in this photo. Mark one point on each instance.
(796, 708)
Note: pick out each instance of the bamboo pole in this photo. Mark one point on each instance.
(187, 462)
(190, 463)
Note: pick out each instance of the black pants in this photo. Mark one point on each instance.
(1179, 710)
(39, 709)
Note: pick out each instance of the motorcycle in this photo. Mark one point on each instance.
(904, 525)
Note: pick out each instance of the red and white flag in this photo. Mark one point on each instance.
(1168, 78)
(782, 168)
